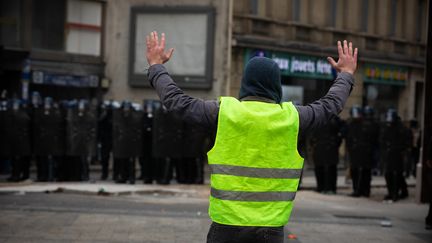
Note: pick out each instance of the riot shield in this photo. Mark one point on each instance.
(127, 133)
(18, 131)
(167, 135)
(81, 132)
(48, 132)
(195, 141)
(4, 134)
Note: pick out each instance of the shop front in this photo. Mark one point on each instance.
(383, 86)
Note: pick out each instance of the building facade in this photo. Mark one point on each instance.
(300, 34)
(54, 47)
(96, 48)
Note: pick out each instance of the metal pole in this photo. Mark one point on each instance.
(427, 118)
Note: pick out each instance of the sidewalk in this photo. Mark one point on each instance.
(98, 187)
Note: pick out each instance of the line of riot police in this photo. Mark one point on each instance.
(63, 138)
(370, 145)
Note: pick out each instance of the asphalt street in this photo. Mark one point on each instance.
(178, 217)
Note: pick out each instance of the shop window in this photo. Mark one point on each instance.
(189, 30)
(10, 23)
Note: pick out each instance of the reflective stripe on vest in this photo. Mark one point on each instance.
(255, 166)
(255, 172)
(252, 196)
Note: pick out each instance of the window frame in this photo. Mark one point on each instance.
(198, 82)
(60, 55)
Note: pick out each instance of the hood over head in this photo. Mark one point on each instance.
(261, 78)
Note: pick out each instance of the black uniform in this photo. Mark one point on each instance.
(19, 138)
(195, 145)
(4, 143)
(105, 125)
(81, 132)
(127, 141)
(48, 141)
(394, 141)
(362, 140)
(167, 144)
(325, 143)
(148, 163)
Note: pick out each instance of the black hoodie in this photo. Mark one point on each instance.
(261, 78)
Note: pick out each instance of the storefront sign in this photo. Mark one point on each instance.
(89, 81)
(296, 65)
(385, 74)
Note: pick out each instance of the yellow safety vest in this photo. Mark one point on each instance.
(255, 166)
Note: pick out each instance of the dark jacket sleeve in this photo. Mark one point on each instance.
(316, 114)
(193, 110)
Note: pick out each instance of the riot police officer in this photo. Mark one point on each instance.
(18, 135)
(48, 139)
(105, 125)
(147, 161)
(361, 139)
(4, 143)
(81, 132)
(127, 139)
(325, 144)
(191, 169)
(167, 144)
(394, 141)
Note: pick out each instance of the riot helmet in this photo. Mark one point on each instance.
(148, 108)
(391, 115)
(356, 112)
(368, 112)
(116, 104)
(48, 104)
(16, 104)
(136, 107)
(3, 105)
(3, 95)
(126, 105)
(36, 99)
(82, 105)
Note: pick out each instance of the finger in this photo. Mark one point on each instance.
(332, 62)
(340, 51)
(350, 49)
(345, 47)
(151, 39)
(156, 38)
(170, 52)
(355, 55)
(162, 44)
